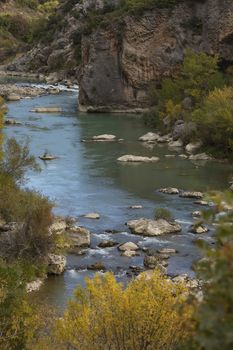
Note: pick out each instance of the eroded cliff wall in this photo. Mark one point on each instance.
(120, 64)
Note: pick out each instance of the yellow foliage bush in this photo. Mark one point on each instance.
(148, 314)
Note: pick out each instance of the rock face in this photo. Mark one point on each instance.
(56, 264)
(118, 67)
(147, 227)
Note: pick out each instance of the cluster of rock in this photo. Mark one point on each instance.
(149, 227)
(13, 92)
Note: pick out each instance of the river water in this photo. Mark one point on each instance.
(87, 178)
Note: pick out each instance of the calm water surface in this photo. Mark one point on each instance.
(87, 178)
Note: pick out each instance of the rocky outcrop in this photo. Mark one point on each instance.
(56, 264)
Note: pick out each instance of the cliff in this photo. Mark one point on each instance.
(116, 54)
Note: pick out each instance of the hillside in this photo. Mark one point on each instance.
(20, 24)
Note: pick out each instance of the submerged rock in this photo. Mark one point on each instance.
(150, 136)
(167, 251)
(191, 194)
(47, 156)
(201, 202)
(138, 159)
(169, 190)
(56, 264)
(147, 227)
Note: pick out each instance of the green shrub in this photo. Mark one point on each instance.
(215, 121)
(163, 213)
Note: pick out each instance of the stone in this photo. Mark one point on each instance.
(201, 202)
(183, 130)
(152, 262)
(58, 226)
(104, 137)
(196, 214)
(191, 194)
(46, 157)
(128, 246)
(34, 285)
(97, 266)
(193, 147)
(164, 139)
(175, 144)
(150, 136)
(137, 159)
(136, 206)
(183, 156)
(129, 253)
(167, 251)
(107, 244)
(12, 97)
(47, 110)
(200, 156)
(11, 122)
(80, 237)
(198, 229)
(169, 190)
(93, 216)
(147, 227)
(56, 264)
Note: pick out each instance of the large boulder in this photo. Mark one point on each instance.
(137, 159)
(175, 144)
(147, 227)
(79, 236)
(56, 264)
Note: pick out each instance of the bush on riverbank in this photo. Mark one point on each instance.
(147, 314)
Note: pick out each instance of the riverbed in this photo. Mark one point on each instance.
(86, 177)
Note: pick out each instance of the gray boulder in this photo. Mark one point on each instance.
(147, 227)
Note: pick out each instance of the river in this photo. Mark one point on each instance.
(87, 178)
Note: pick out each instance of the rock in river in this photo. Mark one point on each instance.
(80, 237)
(47, 110)
(107, 244)
(97, 266)
(137, 159)
(147, 227)
(191, 194)
(169, 190)
(193, 147)
(149, 137)
(200, 156)
(128, 246)
(104, 137)
(198, 229)
(93, 216)
(56, 264)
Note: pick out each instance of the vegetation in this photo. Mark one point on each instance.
(163, 213)
(198, 93)
(147, 314)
